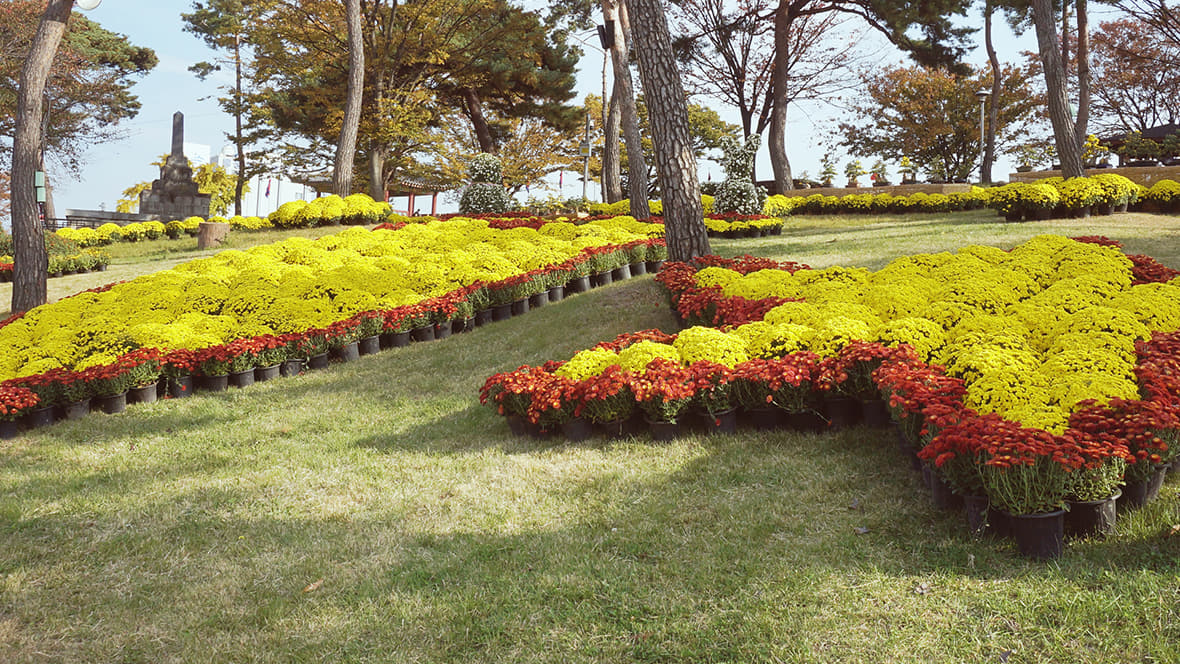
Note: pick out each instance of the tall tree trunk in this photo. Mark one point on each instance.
(377, 155)
(1064, 130)
(993, 107)
(1065, 38)
(1083, 117)
(614, 10)
(30, 261)
(483, 133)
(240, 185)
(668, 117)
(346, 148)
(778, 89)
(612, 186)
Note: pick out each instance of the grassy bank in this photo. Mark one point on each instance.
(374, 512)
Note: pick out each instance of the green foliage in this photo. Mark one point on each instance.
(90, 90)
(932, 116)
(827, 169)
(424, 61)
(706, 130)
(1137, 147)
(1171, 145)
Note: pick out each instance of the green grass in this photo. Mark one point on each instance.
(871, 242)
(374, 512)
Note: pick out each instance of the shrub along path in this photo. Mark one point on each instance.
(373, 512)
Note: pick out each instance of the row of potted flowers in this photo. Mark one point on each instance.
(645, 374)
(1043, 199)
(985, 460)
(1056, 197)
(739, 225)
(138, 376)
(332, 210)
(820, 204)
(87, 260)
(1076, 345)
(137, 231)
(299, 284)
(436, 317)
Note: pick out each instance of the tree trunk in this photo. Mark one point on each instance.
(613, 10)
(668, 117)
(377, 155)
(1064, 132)
(346, 148)
(993, 109)
(240, 185)
(612, 186)
(778, 87)
(30, 262)
(474, 106)
(1083, 117)
(1065, 38)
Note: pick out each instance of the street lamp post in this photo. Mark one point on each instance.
(584, 148)
(982, 95)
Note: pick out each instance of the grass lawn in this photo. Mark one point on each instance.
(374, 512)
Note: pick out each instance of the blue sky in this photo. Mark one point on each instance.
(114, 166)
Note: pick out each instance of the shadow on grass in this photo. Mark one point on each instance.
(753, 545)
(744, 548)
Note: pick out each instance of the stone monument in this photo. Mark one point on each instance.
(175, 194)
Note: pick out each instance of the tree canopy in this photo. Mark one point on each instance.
(1135, 82)
(728, 53)
(222, 24)
(932, 116)
(89, 89)
(424, 60)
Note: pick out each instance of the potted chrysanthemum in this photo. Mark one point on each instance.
(663, 391)
(14, 403)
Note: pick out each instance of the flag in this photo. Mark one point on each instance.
(267, 194)
(526, 187)
(710, 176)
(560, 178)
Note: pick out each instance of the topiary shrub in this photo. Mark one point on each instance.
(485, 193)
(737, 193)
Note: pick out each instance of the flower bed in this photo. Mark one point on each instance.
(307, 296)
(738, 225)
(1031, 376)
(781, 206)
(64, 257)
(1056, 197)
(356, 209)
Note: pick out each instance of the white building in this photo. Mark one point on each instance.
(266, 192)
